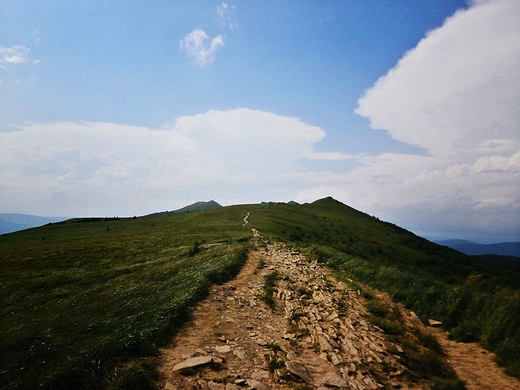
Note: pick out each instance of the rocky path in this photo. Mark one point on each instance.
(316, 338)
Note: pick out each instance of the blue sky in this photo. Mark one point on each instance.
(407, 110)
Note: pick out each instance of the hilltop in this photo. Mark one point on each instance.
(197, 206)
(89, 304)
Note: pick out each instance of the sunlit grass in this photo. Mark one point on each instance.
(88, 306)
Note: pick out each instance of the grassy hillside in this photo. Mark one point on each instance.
(85, 303)
(197, 206)
(474, 300)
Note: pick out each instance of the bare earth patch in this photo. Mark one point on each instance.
(475, 365)
(316, 338)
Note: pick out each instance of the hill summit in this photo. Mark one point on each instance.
(197, 206)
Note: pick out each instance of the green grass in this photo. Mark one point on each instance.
(475, 301)
(421, 354)
(86, 303)
(269, 290)
(87, 307)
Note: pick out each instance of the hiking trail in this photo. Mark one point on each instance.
(318, 336)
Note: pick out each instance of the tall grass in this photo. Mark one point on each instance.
(475, 301)
(475, 310)
(86, 303)
(88, 306)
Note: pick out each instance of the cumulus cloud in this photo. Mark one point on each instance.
(456, 95)
(458, 87)
(69, 167)
(195, 45)
(14, 55)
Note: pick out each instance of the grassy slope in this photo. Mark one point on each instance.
(474, 300)
(86, 306)
(82, 302)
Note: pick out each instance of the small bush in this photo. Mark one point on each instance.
(305, 293)
(429, 341)
(274, 346)
(465, 332)
(269, 290)
(377, 308)
(275, 364)
(295, 316)
(194, 249)
(389, 327)
(447, 384)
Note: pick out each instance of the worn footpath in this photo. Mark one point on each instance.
(316, 338)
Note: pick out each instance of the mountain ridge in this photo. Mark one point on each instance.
(146, 272)
(473, 248)
(197, 206)
(13, 222)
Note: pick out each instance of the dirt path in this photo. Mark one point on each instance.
(475, 365)
(316, 338)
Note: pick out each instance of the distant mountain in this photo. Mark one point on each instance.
(473, 248)
(14, 222)
(197, 206)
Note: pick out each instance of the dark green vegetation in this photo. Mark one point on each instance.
(86, 303)
(508, 262)
(474, 300)
(420, 353)
(270, 289)
(197, 206)
(472, 248)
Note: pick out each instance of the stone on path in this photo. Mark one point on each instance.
(216, 386)
(195, 362)
(256, 385)
(260, 374)
(434, 323)
(223, 348)
(334, 380)
(298, 368)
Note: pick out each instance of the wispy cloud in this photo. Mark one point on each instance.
(196, 46)
(14, 55)
(225, 14)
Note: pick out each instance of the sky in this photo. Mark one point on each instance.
(408, 110)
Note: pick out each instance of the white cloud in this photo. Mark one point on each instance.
(225, 13)
(458, 87)
(195, 46)
(222, 10)
(106, 168)
(457, 95)
(14, 55)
